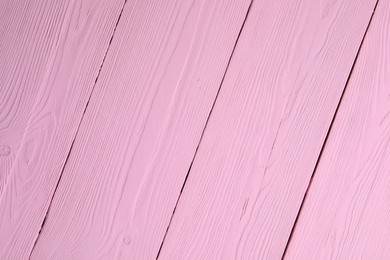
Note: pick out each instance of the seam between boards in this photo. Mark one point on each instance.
(78, 127)
(205, 126)
(328, 132)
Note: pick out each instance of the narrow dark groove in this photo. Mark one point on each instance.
(328, 133)
(78, 128)
(204, 128)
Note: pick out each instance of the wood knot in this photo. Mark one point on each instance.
(4, 150)
(127, 240)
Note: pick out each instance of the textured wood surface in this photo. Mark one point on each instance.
(50, 56)
(190, 129)
(266, 131)
(346, 214)
(141, 129)
(28, 37)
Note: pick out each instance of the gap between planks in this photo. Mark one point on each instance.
(204, 129)
(188, 239)
(329, 130)
(153, 86)
(78, 127)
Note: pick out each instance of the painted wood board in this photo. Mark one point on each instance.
(50, 57)
(141, 129)
(346, 213)
(25, 58)
(266, 131)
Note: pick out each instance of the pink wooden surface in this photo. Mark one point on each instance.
(145, 172)
(141, 129)
(266, 131)
(25, 58)
(50, 56)
(346, 214)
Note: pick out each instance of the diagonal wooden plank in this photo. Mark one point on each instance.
(50, 56)
(347, 208)
(28, 38)
(141, 129)
(266, 131)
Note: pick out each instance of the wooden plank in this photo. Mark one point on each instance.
(51, 53)
(141, 129)
(28, 35)
(346, 214)
(266, 131)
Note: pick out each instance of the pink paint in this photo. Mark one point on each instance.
(346, 212)
(266, 131)
(50, 55)
(141, 129)
(25, 58)
(106, 182)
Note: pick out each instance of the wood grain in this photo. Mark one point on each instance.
(50, 56)
(141, 129)
(346, 214)
(266, 131)
(28, 37)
